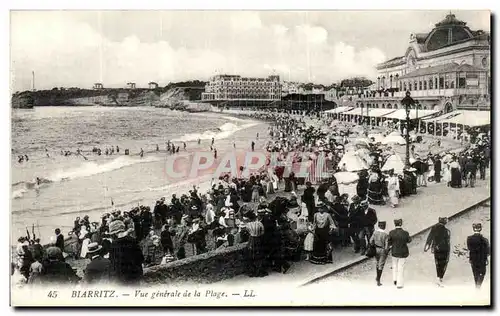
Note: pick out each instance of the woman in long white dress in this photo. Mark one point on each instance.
(446, 174)
(85, 244)
(393, 188)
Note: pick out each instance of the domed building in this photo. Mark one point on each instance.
(445, 69)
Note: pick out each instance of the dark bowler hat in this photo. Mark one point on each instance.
(443, 220)
(381, 225)
(477, 227)
(54, 253)
(398, 222)
(262, 211)
(320, 204)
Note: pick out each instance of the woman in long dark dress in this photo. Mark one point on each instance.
(323, 226)
(456, 174)
(362, 186)
(375, 186)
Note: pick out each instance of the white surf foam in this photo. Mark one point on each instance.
(17, 194)
(92, 168)
(224, 131)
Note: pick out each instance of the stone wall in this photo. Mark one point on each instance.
(209, 267)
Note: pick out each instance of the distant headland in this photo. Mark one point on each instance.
(178, 95)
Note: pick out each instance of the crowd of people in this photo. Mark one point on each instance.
(314, 220)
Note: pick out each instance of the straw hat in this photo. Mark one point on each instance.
(116, 227)
(93, 248)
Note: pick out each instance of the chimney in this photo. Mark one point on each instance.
(32, 81)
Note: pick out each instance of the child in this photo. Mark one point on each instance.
(308, 242)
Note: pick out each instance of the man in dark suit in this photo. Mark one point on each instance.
(398, 240)
(368, 220)
(59, 239)
(56, 271)
(437, 169)
(439, 241)
(125, 255)
(355, 214)
(308, 199)
(99, 268)
(479, 250)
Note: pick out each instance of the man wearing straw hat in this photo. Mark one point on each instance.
(99, 268)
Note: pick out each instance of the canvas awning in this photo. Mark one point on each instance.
(401, 114)
(340, 109)
(356, 111)
(378, 112)
(464, 117)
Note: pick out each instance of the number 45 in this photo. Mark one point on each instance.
(52, 294)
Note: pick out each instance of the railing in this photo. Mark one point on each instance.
(423, 93)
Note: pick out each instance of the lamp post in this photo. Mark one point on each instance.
(407, 102)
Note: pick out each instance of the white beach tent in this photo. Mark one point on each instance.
(362, 141)
(378, 138)
(394, 133)
(393, 139)
(352, 162)
(346, 178)
(394, 162)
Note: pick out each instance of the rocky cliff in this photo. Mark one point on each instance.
(172, 96)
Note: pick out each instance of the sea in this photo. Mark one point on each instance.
(88, 184)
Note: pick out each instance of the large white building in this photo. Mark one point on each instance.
(234, 88)
(445, 69)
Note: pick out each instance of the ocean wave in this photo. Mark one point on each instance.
(91, 168)
(86, 169)
(17, 194)
(224, 131)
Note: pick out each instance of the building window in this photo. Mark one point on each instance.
(446, 84)
(409, 86)
(420, 85)
(425, 84)
(400, 86)
(404, 86)
(395, 106)
(452, 85)
(461, 82)
(415, 86)
(430, 83)
(441, 82)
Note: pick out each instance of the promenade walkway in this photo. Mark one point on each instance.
(418, 212)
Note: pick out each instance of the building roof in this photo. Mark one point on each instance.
(400, 114)
(421, 37)
(340, 109)
(448, 32)
(464, 117)
(450, 19)
(446, 68)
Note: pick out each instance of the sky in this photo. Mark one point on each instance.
(80, 48)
